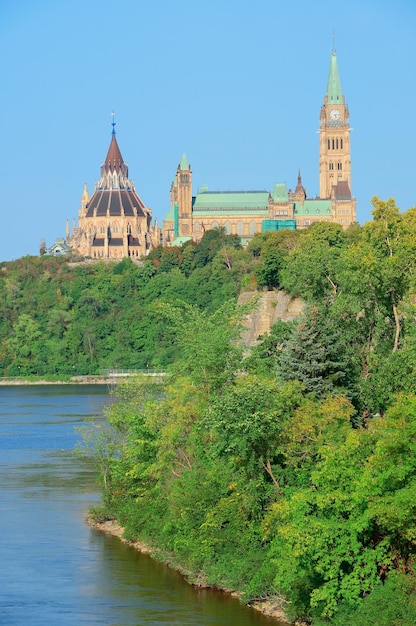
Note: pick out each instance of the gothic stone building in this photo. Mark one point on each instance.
(115, 223)
(248, 212)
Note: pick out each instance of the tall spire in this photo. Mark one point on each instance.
(184, 165)
(114, 171)
(334, 91)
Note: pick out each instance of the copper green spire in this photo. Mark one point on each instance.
(334, 91)
(184, 165)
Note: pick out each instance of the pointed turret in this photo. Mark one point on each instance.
(184, 165)
(114, 161)
(334, 91)
(300, 191)
(85, 196)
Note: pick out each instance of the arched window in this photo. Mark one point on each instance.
(339, 166)
(227, 227)
(333, 144)
(197, 227)
(102, 229)
(214, 225)
(329, 144)
(342, 144)
(115, 228)
(240, 228)
(331, 166)
(252, 228)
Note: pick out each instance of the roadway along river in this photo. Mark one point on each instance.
(54, 568)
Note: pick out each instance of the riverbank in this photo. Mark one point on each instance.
(272, 607)
(75, 380)
(110, 380)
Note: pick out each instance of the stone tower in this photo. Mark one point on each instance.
(335, 152)
(184, 197)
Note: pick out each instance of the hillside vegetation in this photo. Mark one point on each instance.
(288, 472)
(60, 318)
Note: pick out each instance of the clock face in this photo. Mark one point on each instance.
(334, 114)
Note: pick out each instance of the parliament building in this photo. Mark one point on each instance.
(114, 222)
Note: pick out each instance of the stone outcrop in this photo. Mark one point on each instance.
(271, 306)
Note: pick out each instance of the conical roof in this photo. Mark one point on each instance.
(334, 91)
(184, 165)
(115, 194)
(114, 161)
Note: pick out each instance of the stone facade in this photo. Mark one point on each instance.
(114, 222)
(248, 212)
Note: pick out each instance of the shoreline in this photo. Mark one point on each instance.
(270, 607)
(76, 380)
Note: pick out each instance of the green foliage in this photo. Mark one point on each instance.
(263, 356)
(390, 604)
(274, 250)
(312, 354)
(67, 318)
(285, 470)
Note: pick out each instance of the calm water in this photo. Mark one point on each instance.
(54, 569)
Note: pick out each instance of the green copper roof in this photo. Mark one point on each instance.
(316, 208)
(184, 165)
(170, 215)
(221, 212)
(279, 193)
(334, 91)
(179, 241)
(225, 201)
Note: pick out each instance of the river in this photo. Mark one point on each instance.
(54, 568)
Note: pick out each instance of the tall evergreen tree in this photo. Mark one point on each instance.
(311, 355)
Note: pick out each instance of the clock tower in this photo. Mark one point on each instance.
(334, 149)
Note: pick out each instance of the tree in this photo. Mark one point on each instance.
(274, 250)
(249, 417)
(312, 354)
(311, 267)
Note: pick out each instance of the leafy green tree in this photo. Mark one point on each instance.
(248, 418)
(274, 250)
(310, 269)
(209, 352)
(23, 345)
(211, 242)
(392, 603)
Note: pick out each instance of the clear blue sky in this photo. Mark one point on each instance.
(235, 84)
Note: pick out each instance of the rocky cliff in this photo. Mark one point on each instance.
(270, 307)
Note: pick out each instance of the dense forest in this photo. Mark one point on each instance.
(287, 471)
(61, 316)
